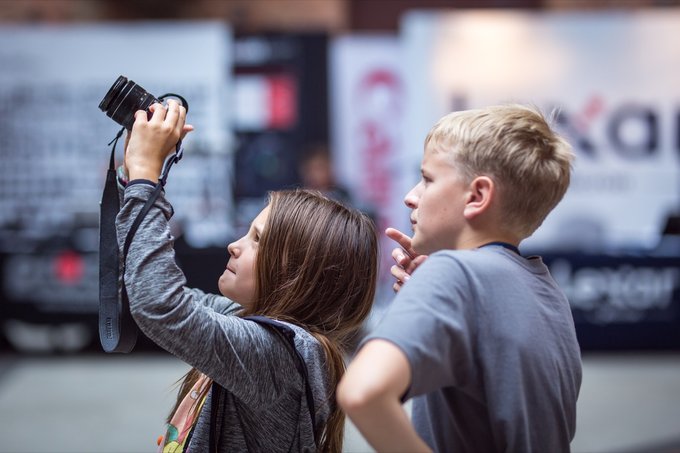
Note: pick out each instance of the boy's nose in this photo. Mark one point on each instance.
(411, 200)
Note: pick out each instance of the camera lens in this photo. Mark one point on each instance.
(123, 99)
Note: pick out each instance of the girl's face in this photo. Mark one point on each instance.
(238, 280)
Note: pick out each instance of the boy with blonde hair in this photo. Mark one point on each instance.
(479, 336)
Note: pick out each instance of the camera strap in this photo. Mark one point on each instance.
(117, 330)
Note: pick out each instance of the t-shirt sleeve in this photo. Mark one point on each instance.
(431, 322)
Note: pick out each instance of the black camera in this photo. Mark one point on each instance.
(123, 100)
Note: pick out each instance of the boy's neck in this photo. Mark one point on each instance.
(484, 228)
(478, 239)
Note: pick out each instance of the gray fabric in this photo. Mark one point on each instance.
(265, 406)
(493, 352)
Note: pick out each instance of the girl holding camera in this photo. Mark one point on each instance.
(308, 263)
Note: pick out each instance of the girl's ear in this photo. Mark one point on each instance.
(479, 196)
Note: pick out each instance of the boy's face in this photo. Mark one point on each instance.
(437, 203)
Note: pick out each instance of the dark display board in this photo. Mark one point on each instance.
(281, 89)
(622, 301)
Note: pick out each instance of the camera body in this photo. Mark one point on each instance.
(124, 99)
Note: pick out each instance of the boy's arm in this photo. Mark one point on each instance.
(370, 393)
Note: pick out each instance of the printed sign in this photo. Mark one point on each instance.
(53, 137)
(369, 94)
(54, 153)
(609, 78)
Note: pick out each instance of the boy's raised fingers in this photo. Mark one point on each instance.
(402, 239)
(399, 273)
(396, 286)
(401, 257)
(400, 277)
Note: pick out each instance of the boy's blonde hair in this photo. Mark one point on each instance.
(516, 147)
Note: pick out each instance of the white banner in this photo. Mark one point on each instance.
(613, 77)
(53, 137)
(368, 112)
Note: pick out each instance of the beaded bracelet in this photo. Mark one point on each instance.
(122, 176)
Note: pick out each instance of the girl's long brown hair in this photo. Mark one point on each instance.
(316, 267)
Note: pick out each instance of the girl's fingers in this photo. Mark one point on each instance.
(182, 114)
(185, 130)
(140, 117)
(172, 116)
(158, 113)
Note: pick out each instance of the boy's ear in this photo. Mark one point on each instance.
(481, 193)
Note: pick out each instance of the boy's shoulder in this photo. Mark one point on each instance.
(486, 261)
(476, 257)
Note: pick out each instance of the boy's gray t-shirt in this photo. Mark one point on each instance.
(494, 358)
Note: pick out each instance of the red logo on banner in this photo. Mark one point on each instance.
(282, 102)
(379, 102)
(68, 267)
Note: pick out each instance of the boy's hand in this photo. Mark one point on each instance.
(153, 140)
(406, 258)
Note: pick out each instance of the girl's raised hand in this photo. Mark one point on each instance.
(153, 140)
